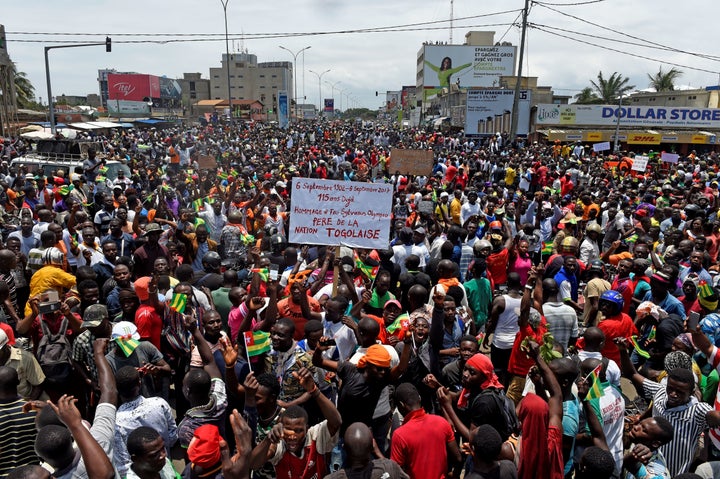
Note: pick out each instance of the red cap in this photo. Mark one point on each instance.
(204, 447)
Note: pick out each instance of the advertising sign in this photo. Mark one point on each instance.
(393, 100)
(484, 105)
(336, 213)
(125, 107)
(405, 93)
(329, 105)
(468, 66)
(643, 116)
(170, 88)
(133, 87)
(283, 108)
(411, 162)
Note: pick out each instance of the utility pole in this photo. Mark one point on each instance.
(452, 7)
(518, 79)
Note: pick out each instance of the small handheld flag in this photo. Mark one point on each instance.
(127, 344)
(369, 271)
(256, 343)
(178, 302)
(638, 349)
(596, 389)
(402, 322)
(547, 247)
(264, 273)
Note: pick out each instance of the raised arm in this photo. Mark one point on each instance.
(329, 411)
(203, 347)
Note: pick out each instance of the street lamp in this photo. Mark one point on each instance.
(227, 57)
(332, 85)
(51, 108)
(295, 55)
(319, 75)
(342, 92)
(616, 146)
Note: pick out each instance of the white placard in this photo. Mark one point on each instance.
(640, 163)
(670, 157)
(332, 213)
(598, 147)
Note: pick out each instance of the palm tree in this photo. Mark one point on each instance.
(24, 89)
(665, 81)
(609, 90)
(586, 96)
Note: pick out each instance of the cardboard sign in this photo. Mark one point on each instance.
(347, 213)
(640, 163)
(426, 207)
(411, 162)
(670, 157)
(604, 146)
(206, 162)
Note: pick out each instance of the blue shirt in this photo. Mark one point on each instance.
(670, 304)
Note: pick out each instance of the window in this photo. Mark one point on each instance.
(193, 95)
(232, 76)
(217, 86)
(274, 76)
(262, 87)
(262, 76)
(216, 76)
(192, 85)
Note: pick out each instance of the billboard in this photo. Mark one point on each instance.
(283, 108)
(126, 107)
(483, 106)
(133, 87)
(393, 100)
(170, 88)
(406, 92)
(329, 105)
(640, 116)
(468, 66)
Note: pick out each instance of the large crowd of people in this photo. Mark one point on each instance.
(539, 311)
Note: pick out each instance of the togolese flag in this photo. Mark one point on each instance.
(257, 342)
(178, 302)
(127, 345)
(367, 270)
(401, 323)
(547, 247)
(596, 389)
(638, 349)
(262, 272)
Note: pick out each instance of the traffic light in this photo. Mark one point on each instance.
(108, 44)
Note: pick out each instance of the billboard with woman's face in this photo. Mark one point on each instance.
(468, 66)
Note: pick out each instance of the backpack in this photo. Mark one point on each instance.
(53, 354)
(507, 407)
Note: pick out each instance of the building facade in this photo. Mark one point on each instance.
(250, 80)
(193, 89)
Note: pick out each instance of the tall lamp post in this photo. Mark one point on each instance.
(616, 146)
(227, 57)
(51, 107)
(320, 102)
(295, 55)
(332, 86)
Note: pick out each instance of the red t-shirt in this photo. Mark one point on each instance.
(497, 264)
(149, 324)
(620, 326)
(419, 446)
(520, 363)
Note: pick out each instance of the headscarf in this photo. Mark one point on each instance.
(376, 355)
(204, 447)
(53, 256)
(533, 414)
(484, 366)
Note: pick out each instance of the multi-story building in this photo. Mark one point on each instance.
(194, 88)
(250, 80)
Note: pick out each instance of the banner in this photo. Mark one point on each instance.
(604, 146)
(332, 213)
(133, 87)
(640, 163)
(411, 162)
(466, 66)
(644, 116)
(282, 101)
(329, 105)
(483, 106)
(669, 157)
(392, 100)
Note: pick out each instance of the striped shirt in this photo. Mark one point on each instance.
(715, 432)
(17, 436)
(689, 421)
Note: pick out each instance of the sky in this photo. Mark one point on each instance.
(360, 63)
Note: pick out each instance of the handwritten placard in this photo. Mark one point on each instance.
(670, 157)
(411, 162)
(640, 163)
(598, 147)
(350, 213)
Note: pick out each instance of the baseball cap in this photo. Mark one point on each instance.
(94, 316)
(124, 329)
(392, 301)
(444, 194)
(153, 228)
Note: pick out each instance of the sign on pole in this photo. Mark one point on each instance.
(332, 213)
(283, 109)
(640, 163)
(598, 147)
(670, 157)
(411, 162)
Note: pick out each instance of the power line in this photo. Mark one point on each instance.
(572, 4)
(677, 50)
(625, 53)
(513, 24)
(625, 42)
(192, 40)
(271, 34)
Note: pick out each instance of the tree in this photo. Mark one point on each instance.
(586, 96)
(24, 89)
(610, 89)
(665, 81)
